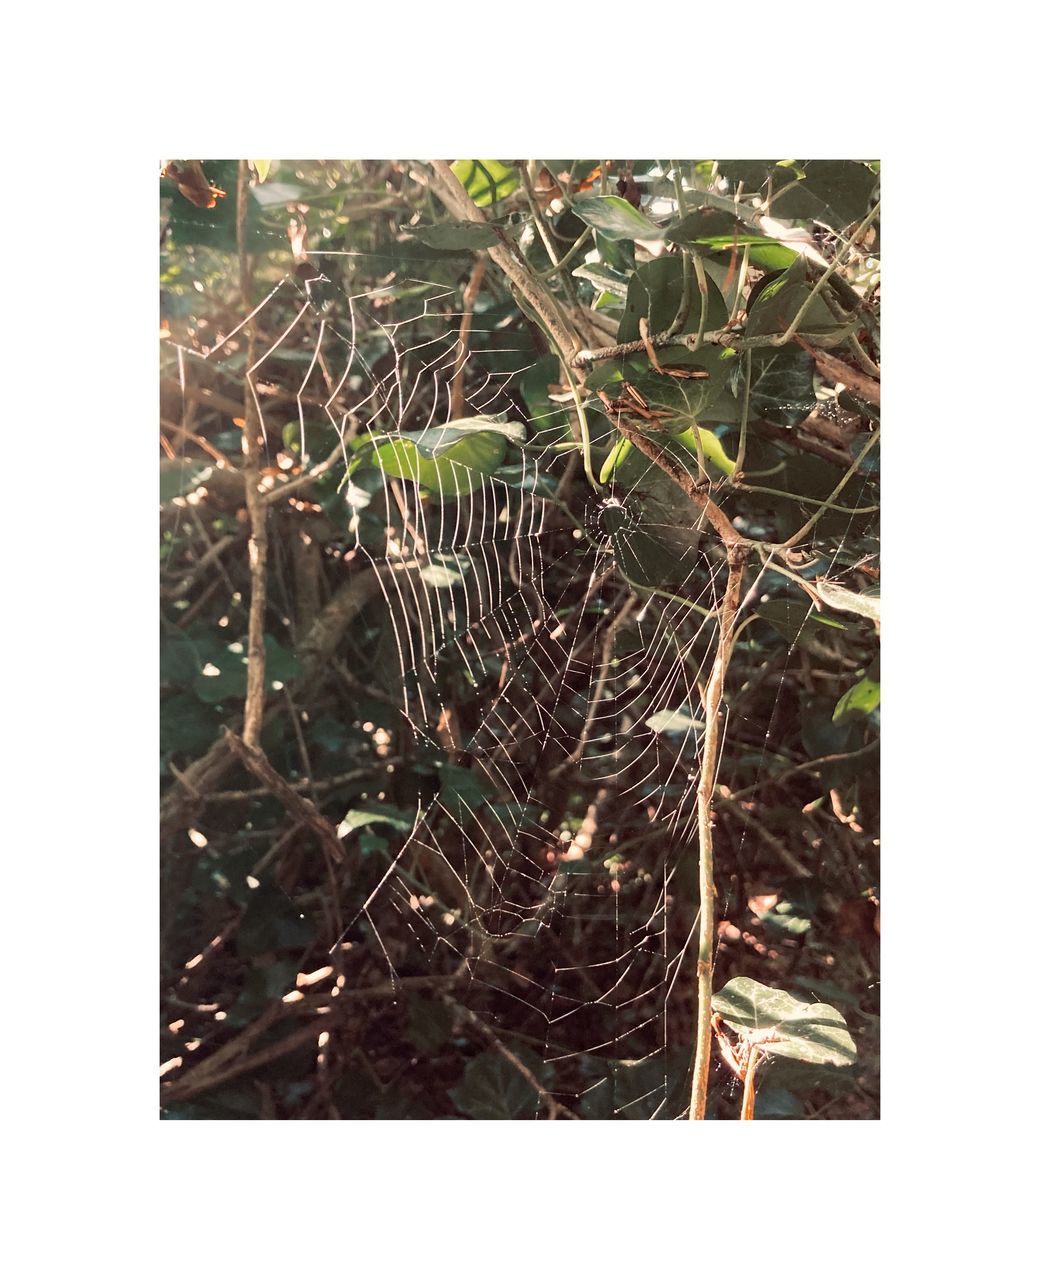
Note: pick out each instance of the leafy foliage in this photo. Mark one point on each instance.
(412, 420)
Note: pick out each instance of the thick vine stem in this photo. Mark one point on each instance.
(736, 559)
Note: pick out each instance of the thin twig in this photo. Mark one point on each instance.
(469, 299)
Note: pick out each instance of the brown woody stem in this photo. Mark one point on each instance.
(736, 558)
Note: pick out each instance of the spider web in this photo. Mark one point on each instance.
(554, 690)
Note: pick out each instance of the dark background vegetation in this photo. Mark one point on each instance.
(258, 901)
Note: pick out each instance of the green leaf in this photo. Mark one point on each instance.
(634, 1090)
(836, 193)
(861, 700)
(782, 389)
(778, 304)
(436, 442)
(261, 168)
(429, 1023)
(656, 293)
(822, 737)
(845, 601)
(752, 173)
(814, 1033)
(456, 235)
(184, 726)
(486, 181)
(793, 619)
(616, 219)
(493, 1089)
(688, 399)
(449, 461)
(545, 415)
(604, 278)
(787, 918)
(180, 476)
(370, 815)
(225, 675)
(463, 791)
(778, 1104)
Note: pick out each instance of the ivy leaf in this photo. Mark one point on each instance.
(604, 278)
(449, 461)
(369, 815)
(779, 303)
(752, 173)
(656, 293)
(862, 699)
(492, 1089)
(814, 1033)
(833, 192)
(615, 219)
(782, 389)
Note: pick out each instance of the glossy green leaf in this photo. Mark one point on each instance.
(436, 442)
(449, 461)
(261, 168)
(224, 675)
(603, 277)
(373, 814)
(861, 700)
(615, 218)
(814, 1033)
(777, 306)
(486, 181)
(834, 192)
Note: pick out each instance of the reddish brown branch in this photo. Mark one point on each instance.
(296, 805)
(858, 383)
(719, 520)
